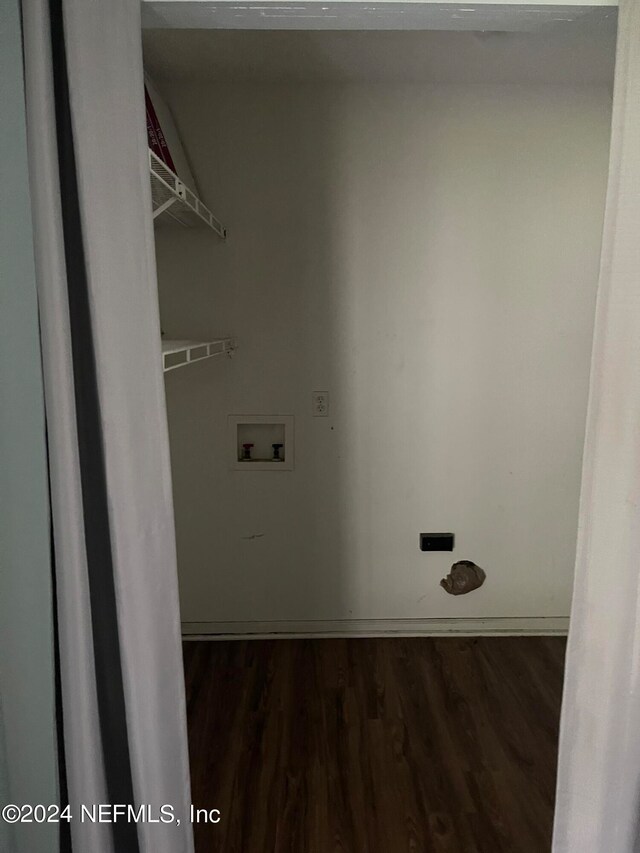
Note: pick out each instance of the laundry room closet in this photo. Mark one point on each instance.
(391, 291)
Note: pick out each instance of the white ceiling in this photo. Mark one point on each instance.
(564, 54)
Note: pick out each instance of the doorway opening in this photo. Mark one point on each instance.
(395, 269)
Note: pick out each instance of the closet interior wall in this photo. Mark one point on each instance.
(422, 247)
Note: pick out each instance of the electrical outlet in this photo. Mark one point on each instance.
(320, 404)
(437, 541)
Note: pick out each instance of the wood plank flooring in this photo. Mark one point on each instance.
(375, 745)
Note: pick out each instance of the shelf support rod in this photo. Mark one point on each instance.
(167, 204)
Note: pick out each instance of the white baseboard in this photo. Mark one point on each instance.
(492, 627)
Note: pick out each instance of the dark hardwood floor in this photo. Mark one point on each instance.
(375, 745)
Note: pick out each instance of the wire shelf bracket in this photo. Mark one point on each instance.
(181, 353)
(173, 200)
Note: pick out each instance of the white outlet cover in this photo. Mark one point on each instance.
(320, 404)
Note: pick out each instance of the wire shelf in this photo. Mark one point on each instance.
(173, 200)
(181, 353)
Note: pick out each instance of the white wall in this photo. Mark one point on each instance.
(429, 257)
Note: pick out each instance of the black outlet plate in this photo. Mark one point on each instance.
(437, 541)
